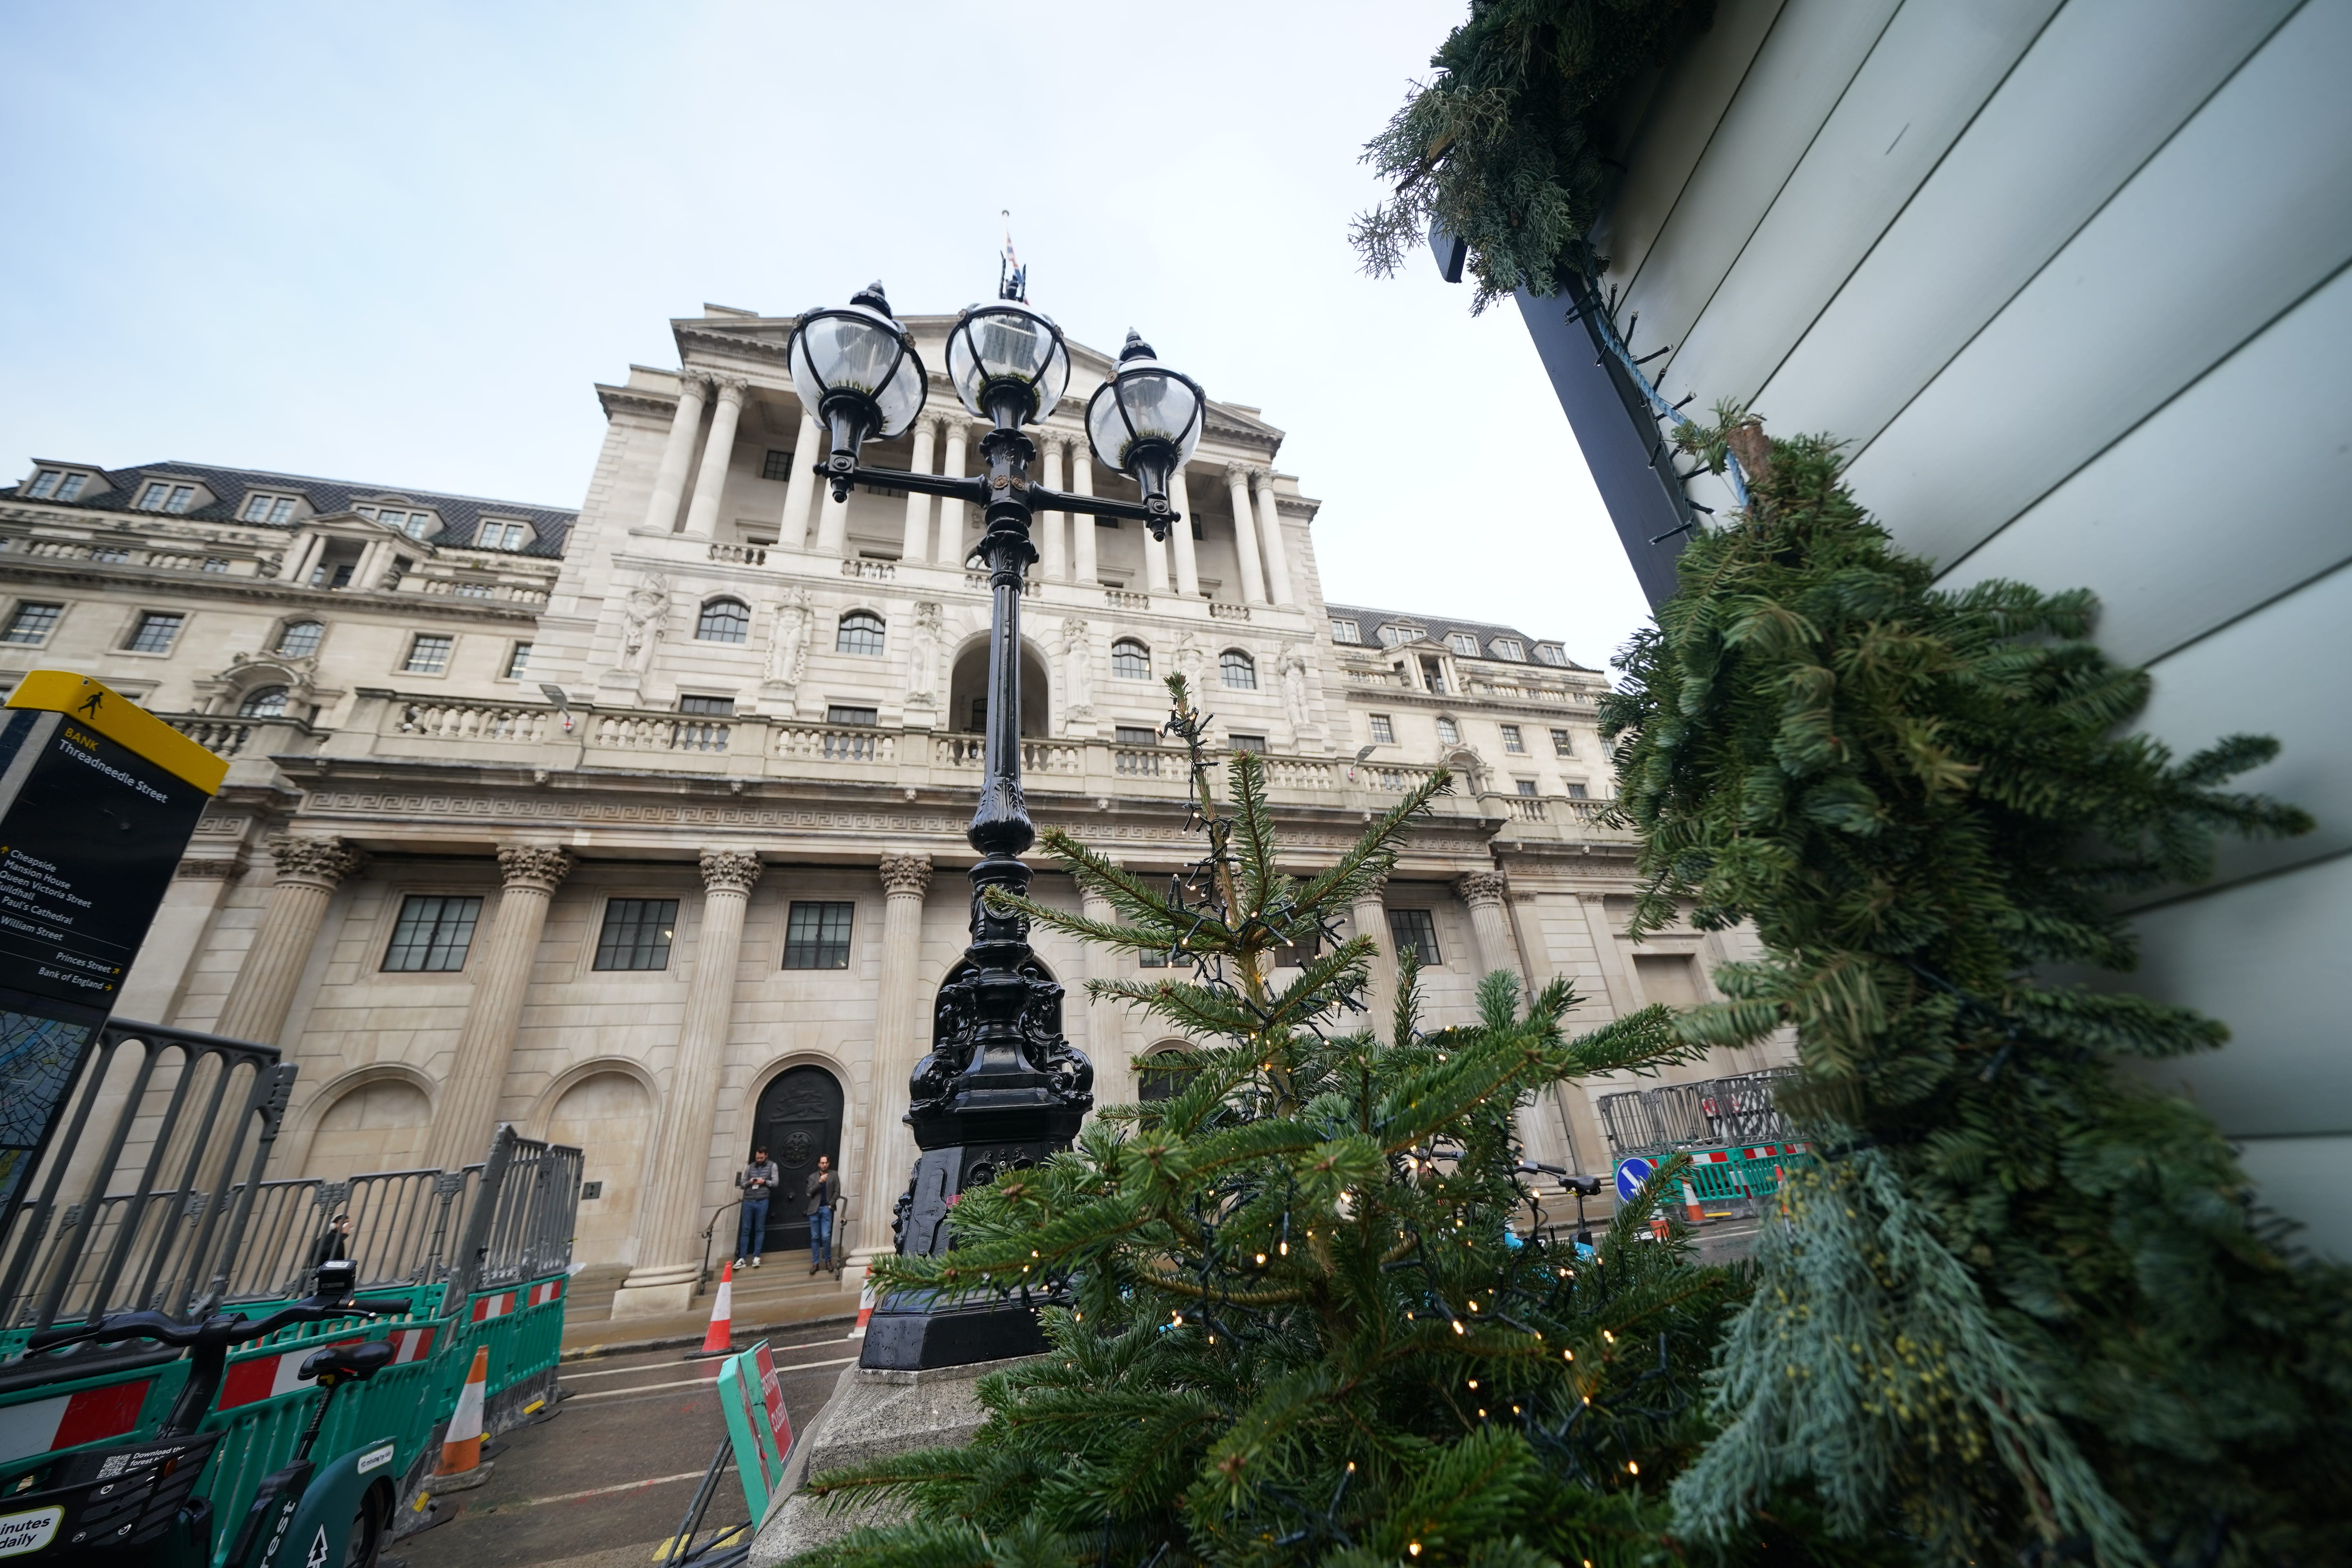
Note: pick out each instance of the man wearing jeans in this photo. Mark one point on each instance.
(758, 1181)
(824, 1193)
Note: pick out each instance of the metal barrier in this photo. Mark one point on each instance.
(1711, 1113)
(144, 1199)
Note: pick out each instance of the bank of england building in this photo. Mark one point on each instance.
(641, 825)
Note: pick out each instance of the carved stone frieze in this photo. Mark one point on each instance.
(209, 869)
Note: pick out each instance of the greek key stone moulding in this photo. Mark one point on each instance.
(909, 874)
(729, 870)
(322, 862)
(533, 865)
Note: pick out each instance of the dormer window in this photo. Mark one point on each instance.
(262, 506)
(1550, 653)
(1393, 634)
(498, 535)
(1508, 647)
(1345, 631)
(415, 524)
(1464, 643)
(56, 484)
(166, 495)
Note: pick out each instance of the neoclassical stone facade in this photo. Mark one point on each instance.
(639, 827)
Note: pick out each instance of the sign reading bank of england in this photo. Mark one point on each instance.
(96, 807)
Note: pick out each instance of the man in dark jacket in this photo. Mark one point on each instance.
(824, 1197)
(758, 1181)
(334, 1242)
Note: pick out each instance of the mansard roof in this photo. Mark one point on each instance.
(1441, 627)
(460, 515)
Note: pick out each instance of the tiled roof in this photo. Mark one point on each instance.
(552, 526)
(1441, 627)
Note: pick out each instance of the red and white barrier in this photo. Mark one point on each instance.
(69, 1420)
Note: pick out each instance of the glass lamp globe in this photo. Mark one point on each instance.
(1145, 421)
(856, 370)
(1005, 352)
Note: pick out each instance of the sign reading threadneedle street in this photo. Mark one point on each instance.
(98, 799)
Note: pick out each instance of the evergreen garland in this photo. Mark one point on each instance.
(1290, 1318)
(1506, 146)
(2025, 1309)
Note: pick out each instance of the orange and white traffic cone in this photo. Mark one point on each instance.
(461, 1446)
(864, 1308)
(1691, 1209)
(718, 1339)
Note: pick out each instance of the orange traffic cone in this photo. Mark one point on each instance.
(864, 1308)
(461, 1446)
(718, 1339)
(1691, 1209)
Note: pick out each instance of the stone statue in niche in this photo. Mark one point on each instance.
(1077, 671)
(643, 622)
(1295, 700)
(788, 643)
(923, 658)
(1190, 661)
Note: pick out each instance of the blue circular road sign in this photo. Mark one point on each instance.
(1631, 1174)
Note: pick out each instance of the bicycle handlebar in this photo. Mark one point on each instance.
(223, 1330)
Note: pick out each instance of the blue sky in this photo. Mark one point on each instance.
(400, 243)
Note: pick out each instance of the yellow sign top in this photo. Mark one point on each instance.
(101, 708)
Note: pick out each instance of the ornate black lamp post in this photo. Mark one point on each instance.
(1001, 1089)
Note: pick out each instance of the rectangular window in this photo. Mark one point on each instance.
(1527, 786)
(518, 661)
(1550, 654)
(1415, 930)
(841, 713)
(432, 934)
(816, 936)
(1449, 734)
(1134, 735)
(1345, 631)
(721, 705)
(428, 656)
(162, 496)
(504, 536)
(1576, 792)
(1464, 643)
(1156, 959)
(44, 484)
(262, 507)
(778, 466)
(1432, 675)
(32, 622)
(155, 632)
(218, 564)
(1383, 733)
(1248, 742)
(1512, 741)
(1563, 745)
(638, 933)
(1508, 648)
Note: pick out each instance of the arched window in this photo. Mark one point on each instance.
(263, 702)
(1160, 1075)
(301, 639)
(724, 620)
(861, 632)
(1237, 668)
(1130, 660)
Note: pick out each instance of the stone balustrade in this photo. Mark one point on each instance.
(1219, 610)
(871, 571)
(1121, 599)
(728, 554)
(970, 752)
(476, 721)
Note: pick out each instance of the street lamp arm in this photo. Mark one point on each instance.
(1042, 500)
(975, 489)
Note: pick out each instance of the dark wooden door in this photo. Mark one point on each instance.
(799, 1119)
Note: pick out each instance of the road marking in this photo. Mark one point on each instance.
(595, 1491)
(697, 1382)
(657, 1367)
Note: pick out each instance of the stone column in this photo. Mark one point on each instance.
(1106, 1037)
(159, 974)
(1155, 563)
(1372, 917)
(791, 528)
(950, 546)
(1490, 922)
(1082, 543)
(1269, 528)
(1245, 534)
(467, 1110)
(915, 547)
(677, 452)
(307, 872)
(710, 481)
(900, 1040)
(1051, 560)
(670, 1217)
(1188, 566)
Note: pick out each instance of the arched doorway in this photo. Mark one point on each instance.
(968, 690)
(799, 1118)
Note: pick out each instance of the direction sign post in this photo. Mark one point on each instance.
(1632, 1172)
(98, 800)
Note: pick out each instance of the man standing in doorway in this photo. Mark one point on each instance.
(758, 1181)
(824, 1193)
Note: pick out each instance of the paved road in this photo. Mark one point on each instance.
(605, 1481)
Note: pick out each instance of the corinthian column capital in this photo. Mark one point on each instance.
(1237, 473)
(1056, 442)
(731, 388)
(537, 867)
(1262, 480)
(693, 382)
(319, 862)
(906, 875)
(729, 870)
(1484, 888)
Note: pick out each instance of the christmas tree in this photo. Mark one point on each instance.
(1302, 1309)
(2025, 1309)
